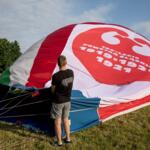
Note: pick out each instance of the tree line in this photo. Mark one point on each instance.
(9, 52)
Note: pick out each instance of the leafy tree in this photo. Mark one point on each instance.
(9, 52)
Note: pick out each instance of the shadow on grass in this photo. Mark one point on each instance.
(20, 130)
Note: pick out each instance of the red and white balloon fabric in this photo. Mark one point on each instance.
(109, 61)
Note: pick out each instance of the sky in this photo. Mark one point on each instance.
(28, 21)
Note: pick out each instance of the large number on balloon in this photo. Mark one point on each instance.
(141, 46)
(113, 56)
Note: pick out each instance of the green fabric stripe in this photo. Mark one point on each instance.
(5, 77)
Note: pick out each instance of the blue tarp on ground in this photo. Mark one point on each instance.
(83, 111)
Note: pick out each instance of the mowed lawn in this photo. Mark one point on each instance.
(127, 132)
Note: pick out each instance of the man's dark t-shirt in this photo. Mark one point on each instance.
(63, 81)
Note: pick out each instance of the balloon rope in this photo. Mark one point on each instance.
(7, 110)
(8, 104)
(25, 115)
(28, 104)
(15, 97)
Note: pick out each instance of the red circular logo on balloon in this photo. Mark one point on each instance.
(113, 56)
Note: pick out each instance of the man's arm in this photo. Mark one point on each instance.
(53, 87)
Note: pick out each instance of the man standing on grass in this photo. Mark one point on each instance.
(62, 82)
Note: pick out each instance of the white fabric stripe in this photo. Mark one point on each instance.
(82, 109)
(126, 111)
(20, 70)
(108, 101)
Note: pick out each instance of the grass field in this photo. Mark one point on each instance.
(127, 132)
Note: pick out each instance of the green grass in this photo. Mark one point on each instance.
(127, 132)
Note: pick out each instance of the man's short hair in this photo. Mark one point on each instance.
(62, 61)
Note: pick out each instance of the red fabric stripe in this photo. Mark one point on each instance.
(108, 111)
(46, 58)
